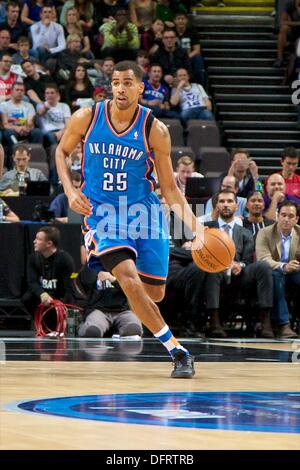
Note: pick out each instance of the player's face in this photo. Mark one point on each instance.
(126, 89)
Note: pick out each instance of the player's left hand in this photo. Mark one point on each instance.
(78, 202)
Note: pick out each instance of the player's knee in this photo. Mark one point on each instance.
(157, 293)
(130, 285)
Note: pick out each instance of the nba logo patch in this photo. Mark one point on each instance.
(135, 135)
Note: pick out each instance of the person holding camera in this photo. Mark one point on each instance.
(245, 171)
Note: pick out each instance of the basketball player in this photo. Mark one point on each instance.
(121, 142)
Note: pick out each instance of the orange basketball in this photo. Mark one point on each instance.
(217, 252)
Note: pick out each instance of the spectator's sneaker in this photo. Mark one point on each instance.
(183, 366)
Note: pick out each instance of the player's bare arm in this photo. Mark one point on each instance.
(160, 142)
(75, 132)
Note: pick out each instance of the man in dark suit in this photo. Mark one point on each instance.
(242, 273)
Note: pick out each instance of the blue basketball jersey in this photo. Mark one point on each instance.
(117, 163)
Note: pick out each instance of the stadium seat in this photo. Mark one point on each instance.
(202, 133)
(43, 166)
(213, 160)
(176, 131)
(178, 152)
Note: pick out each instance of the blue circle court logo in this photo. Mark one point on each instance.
(236, 411)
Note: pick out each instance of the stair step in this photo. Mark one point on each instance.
(257, 107)
(244, 80)
(266, 152)
(239, 43)
(251, 89)
(230, 20)
(264, 134)
(236, 35)
(238, 61)
(263, 143)
(270, 71)
(230, 125)
(258, 98)
(260, 117)
(235, 27)
(252, 53)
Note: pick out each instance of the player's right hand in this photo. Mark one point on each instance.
(78, 202)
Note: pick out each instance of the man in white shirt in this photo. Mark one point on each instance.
(18, 120)
(53, 116)
(192, 99)
(47, 36)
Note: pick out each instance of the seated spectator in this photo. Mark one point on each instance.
(142, 13)
(21, 157)
(78, 87)
(36, 82)
(171, 57)
(255, 219)
(18, 120)
(68, 59)
(230, 183)
(279, 246)
(12, 24)
(151, 39)
(243, 272)
(275, 194)
(85, 10)
(7, 78)
(49, 271)
(120, 38)
(245, 171)
(31, 11)
(289, 163)
(73, 26)
(60, 204)
(289, 28)
(103, 76)
(107, 308)
(192, 99)
(214, 213)
(187, 38)
(99, 94)
(5, 42)
(23, 52)
(54, 116)
(142, 59)
(156, 95)
(184, 170)
(47, 36)
(8, 214)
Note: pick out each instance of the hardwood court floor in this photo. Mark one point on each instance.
(44, 369)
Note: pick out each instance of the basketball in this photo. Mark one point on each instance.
(217, 252)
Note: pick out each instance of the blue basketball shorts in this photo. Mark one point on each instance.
(140, 227)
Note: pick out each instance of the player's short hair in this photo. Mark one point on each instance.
(129, 65)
